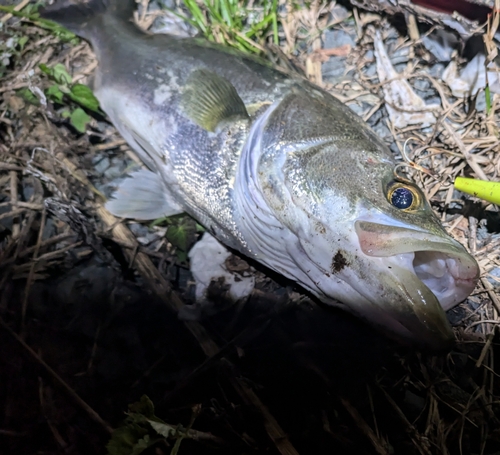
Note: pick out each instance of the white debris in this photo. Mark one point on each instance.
(405, 107)
(472, 78)
(207, 259)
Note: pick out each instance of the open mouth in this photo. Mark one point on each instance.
(449, 279)
(441, 263)
(418, 276)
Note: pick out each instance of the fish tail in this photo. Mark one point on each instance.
(83, 16)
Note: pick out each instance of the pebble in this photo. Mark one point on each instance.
(441, 43)
(102, 165)
(117, 168)
(333, 69)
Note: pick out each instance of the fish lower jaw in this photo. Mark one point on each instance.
(402, 324)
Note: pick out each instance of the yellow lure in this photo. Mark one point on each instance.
(489, 191)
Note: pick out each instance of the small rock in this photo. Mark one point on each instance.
(441, 43)
(334, 68)
(102, 165)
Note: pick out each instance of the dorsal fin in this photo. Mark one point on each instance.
(209, 99)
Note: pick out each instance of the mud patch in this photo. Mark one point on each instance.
(339, 261)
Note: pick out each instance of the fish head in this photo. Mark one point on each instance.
(359, 237)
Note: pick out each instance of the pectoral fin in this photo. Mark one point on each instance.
(209, 100)
(143, 196)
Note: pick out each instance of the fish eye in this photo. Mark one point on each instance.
(403, 197)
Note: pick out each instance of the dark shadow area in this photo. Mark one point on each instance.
(112, 342)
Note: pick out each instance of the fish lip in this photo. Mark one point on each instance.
(381, 240)
(433, 273)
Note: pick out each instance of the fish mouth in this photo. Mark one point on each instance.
(418, 276)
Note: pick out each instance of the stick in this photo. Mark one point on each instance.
(55, 378)
(162, 289)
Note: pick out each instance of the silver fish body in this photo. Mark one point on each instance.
(275, 168)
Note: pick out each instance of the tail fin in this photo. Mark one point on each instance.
(79, 16)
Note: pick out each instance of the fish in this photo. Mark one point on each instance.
(275, 168)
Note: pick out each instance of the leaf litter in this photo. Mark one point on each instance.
(89, 303)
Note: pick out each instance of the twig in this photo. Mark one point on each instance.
(472, 235)
(491, 292)
(24, 205)
(44, 406)
(415, 436)
(466, 153)
(18, 7)
(31, 274)
(486, 348)
(377, 443)
(55, 378)
(54, 254)
(162, 288)
(12, 214)
(109, 145)
(16, 228)
(197, 435)
(10, 167)
(27, 251)
(142, 249)
(273, 428)
(412, 27)
(372, 408)
(13, 434)
(484, 321)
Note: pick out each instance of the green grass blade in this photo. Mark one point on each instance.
(275, 22)
(487, 95)
(197, 14)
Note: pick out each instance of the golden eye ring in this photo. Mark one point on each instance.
(404, 197)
